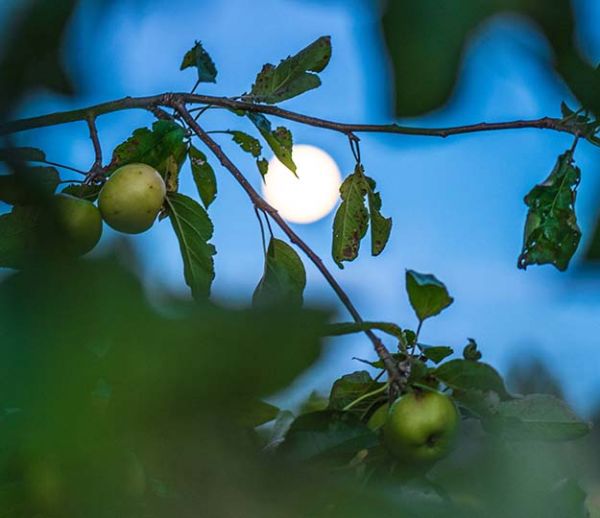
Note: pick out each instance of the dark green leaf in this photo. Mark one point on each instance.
(28, 184)
(345, 328)
(17, 236)
(470, 352)
(204, 176)
(293, 76)
(537, 417)
(280, 140)
(280, 427)
(85, 191)
(247, 142)
(470, 375)
(327, 434)
(436, 353)
(161, 147)
(199, 58)
(193, 229)
(23, 154)
(351, 219)
(480, 403)
(380, 226)
(263, 166)
(284, 277)
(428, 296)
(551, 232)
(350, 387)
(254, 413)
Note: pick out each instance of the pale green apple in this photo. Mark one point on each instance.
(379, 417)
(79, 221)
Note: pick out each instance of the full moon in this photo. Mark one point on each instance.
(310, 196)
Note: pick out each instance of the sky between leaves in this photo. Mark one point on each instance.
(457, 204)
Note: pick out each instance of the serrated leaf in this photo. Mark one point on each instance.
(279, 140)
(470, 375)
(537, 417)
(351, 219)
(428, 296)
(247, 142)
(161, 147)
(284, 277)
(28, 185)
(81, 190)
(551, 232)
(327, 434)
(199, 58)
(193, 229)
(22, 154)
(17, 235)
(380, 226)
(204, 176)
(345, 328)
(294, 75)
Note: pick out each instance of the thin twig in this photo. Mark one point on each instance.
(261, 204)
(96, 171)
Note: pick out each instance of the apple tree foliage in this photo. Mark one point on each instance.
(114, 404)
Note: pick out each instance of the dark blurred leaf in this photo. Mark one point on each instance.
(293, 75)
(22, 154)
(470, 351)
(204, 176)
(551, 232)
(18, 231)
(254, 413)
(284, 277)
(345, 328)
(279, 140)
(351, 218)
(327, 434)
(199, 58)
(592, 253)
(161, 147)
(349, 388)
(28, 184)
(194, 229)
(436, 353)
(481, 403)
(537, 417)
(247, 142)
(428, 296)
(470, 375)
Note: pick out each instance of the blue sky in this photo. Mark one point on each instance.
(457, 204)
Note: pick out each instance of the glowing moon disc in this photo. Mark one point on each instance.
(313, 194)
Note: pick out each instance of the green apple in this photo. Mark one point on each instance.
(379, 417)
(80, 222)
(132, 197)
(421, 427)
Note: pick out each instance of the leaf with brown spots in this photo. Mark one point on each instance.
(380, 226)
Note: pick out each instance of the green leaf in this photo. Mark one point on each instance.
(193, 229)
(293, 76)
(161, 147)
(279, 140)
(345, 328)
(470, 375)
(81, 190)
(436, 353)
(350, 387)
(199, 58)
(428, 296)
(263, 166)
(328, 434)
(255, 412)
(284, 277)
(247, 142)
(18, 231)
(204, 176)
(551, 232)
(537, 417)
(22, 154)
(380, 226)
(470, 352)
(351, 219)
(28, 185)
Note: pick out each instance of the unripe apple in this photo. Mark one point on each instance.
(421, 427)
(378, 418)
(132, 198)
(80, 222)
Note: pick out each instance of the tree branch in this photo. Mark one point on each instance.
(261, 204)
(151, 103)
